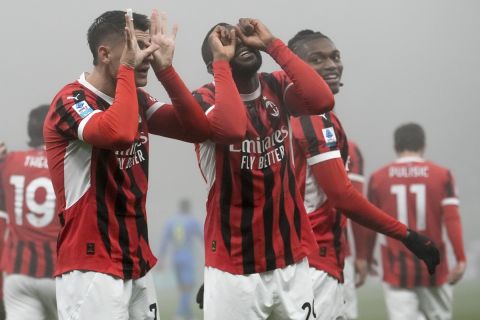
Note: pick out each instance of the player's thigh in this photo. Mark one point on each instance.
(92, 295)
(45, 293)
(230, 296)
(349, 290)
(436, 302)
(185, 273)
(294, 292)
(143, 304)
(402, 304)
(20, 300)
(328, 292)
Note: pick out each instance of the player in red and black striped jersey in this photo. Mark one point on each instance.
(321, 153)
(422, 195)
(29, 252)
(256, 228)
(97, 138)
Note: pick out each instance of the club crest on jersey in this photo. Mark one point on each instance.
(330, 137)
(82, 108)
(271, 107)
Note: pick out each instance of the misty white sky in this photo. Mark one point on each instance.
(411, 60)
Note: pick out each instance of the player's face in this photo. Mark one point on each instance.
(141, 71)
(322, 55)
(246, 61)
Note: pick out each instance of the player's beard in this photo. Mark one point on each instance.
(246, 69)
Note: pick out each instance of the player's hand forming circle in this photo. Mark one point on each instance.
(254, 33)
(222, 43)
(163, 57)
(457, 273)
(132, 55)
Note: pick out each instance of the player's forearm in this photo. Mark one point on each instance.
(453, 225)
(310, 94)
(331, 176)
(228, 118)
(191, 122)
(116, 128)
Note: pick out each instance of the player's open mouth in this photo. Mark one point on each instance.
(331, 78)
(245, 53)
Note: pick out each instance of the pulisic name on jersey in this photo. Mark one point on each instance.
(262, 152)
(132, 156)
(35, 162)
(408, 172)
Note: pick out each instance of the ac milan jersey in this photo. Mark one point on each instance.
(101, 193)
(413, 191)
(255, 218)
(29, 200)
(321, 138)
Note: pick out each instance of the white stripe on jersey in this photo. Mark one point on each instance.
(150, 111)
(83, 123)
(83, 81)
(4, 215)
(314, 194)
(450, 201)
(209, 109)
(206, 162)
(356, 177)
(76, 171)
(324, 157)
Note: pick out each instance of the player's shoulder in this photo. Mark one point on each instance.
(437, 169)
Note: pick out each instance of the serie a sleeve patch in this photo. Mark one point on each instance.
(82, 108)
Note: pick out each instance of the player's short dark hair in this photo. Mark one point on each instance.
(207, 54)
(112, 24)
(303, 36)
(36, 118)
(409, 137)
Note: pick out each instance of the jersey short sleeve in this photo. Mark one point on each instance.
(72, 110)
(317, 137)
(450, 196)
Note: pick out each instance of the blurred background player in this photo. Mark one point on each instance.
(257, 235)
(3, 225)
(326, 59)
(422, 195)
(97, 139)
(29, 253)
(321, 154)
(179, 234)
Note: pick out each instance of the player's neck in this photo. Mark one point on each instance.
(102, 82)
(246, 85)
(410, 154)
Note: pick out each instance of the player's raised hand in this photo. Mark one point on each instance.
(132, 55)
(457, 273)
(254, 33)
(3, 150)
(423, 248)
(163, 57)
(222, 43)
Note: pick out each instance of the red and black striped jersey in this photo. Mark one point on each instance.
(414, 191)
(29, 201)
(316, 139)
(255, 218)
(101, 193)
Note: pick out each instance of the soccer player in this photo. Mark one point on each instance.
(180, 233)
(29, 254)
(257, 235)
(321, 153)
(97, 139)
(422, 195)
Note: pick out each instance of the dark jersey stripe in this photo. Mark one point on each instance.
(283, 221)
(449, 186)
(102, 211)
(48, 260)
(19, 257)
(337, 236)
(297, 218)
(246, 230)
(120, 214)
(32, 268)
(310, 135)
(225, 200)
(402, 259)
(269, 182)
(65, 116)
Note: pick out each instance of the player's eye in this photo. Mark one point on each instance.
(316, 60)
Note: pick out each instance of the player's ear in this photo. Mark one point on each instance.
(103, 54)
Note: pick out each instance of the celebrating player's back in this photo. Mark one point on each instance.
(422, 195)
(30, 247)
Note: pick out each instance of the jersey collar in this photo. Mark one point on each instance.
(409, 159)
(83, 81)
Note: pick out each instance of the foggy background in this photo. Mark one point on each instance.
(415, 60)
